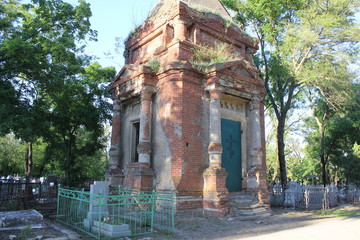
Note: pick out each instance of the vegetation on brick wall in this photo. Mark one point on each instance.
(205, 55)
(154, 64)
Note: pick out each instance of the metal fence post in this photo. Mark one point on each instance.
(100, 209)
(172, 195)
(152, 210)
(58, 203)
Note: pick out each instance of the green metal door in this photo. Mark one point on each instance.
(231, 155)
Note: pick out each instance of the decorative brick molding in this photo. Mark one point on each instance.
(139, 177)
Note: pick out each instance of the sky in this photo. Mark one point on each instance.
(114, 19)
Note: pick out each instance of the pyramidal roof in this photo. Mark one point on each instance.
(210, 5)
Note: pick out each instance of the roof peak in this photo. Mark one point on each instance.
(212, 5)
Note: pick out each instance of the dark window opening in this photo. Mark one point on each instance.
(135, 141)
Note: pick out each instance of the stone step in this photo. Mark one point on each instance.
(254, 211)
(243, 203)
(251, 214)
(242, 195)
(253, 217)
(245, 206)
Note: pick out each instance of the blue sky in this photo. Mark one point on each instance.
(114, 18)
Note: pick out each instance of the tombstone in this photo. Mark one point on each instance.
(97, 190)
(176, 126)
(314, 197)
(20, 218)
(292, 194)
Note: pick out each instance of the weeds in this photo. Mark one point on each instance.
(154, 64)
(25, 232)
(204, 55)
(195, 227)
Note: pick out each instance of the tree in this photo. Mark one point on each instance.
(11, 155)
(37, 47)
(294, 36)
(79, 105)
(267, 20)
(48, 91)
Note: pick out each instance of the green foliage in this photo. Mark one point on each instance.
(154, 64)
(80, 108)
(333, 135)
(50, 92)
(205, 56)
(302, 43)
(25, 232)
(12, 153)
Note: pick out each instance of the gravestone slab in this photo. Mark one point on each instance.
(19, 218)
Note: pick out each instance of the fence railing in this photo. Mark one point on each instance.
(311, 197)
(26, 195)
(353, 196)
(119, 214)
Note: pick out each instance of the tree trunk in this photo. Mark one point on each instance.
(28, 168)
(28, 161)
(69, 159)
(281, 152)
(323, 170)
(322, 151)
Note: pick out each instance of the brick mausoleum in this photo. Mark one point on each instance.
(200, 133)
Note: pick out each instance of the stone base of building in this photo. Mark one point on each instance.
(263, 191)
(114, 176)
(256, 182)
(216, 195)
(139, 177)
(184, 203)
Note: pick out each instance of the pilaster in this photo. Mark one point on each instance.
(256, 179)
(215, 191)
(114, 174)
(256, 148)
(144, 147)
(180, 29)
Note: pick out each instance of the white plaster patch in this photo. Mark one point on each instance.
(252, 183)
(177, 129)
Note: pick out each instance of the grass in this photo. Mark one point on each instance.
(205, 55)
(25, 233)
(339, 212)
(195, 227)
(154, 64)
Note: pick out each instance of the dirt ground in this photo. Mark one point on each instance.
(233, 228)
(196, 227)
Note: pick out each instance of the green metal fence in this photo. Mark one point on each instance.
(121, 213)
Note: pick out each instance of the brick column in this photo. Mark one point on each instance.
(256, 148)
(215, 191)
(180, 29)
(215, 147)
(256, 179)
(114, 174)
(144, 147)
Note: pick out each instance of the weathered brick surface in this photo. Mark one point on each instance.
(181, 101)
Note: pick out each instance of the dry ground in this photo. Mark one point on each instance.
(195, 227)
(231, 228)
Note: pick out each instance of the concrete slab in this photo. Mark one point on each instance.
(20, 218)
